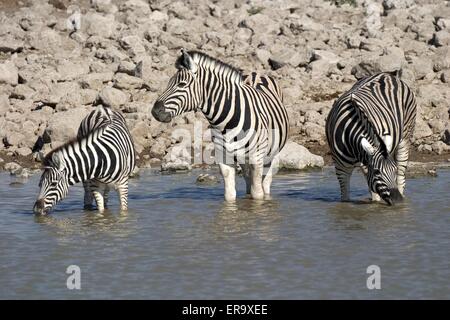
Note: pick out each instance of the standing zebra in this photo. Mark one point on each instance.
(249, 122)
(102, 154)
(371, 125)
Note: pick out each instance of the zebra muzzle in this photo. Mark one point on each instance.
(392, 197)
(159, 112)
(39, 206)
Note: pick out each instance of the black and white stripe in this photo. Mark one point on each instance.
(249, 122)
(371, 126)
(102, 154)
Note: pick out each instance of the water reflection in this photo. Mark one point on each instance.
(360, 214)
(259, 218)
(180, 239)
(86, 222)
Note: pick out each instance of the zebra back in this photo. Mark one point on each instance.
(103, 150)
(385, 104)
(97, 118)
(263, 83)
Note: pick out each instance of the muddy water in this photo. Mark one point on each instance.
(180, 240)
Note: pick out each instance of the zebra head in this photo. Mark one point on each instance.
(182, 93)
(382, 170)
(54, 184)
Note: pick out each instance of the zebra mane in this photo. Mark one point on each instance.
(48, 161)
(208, 62)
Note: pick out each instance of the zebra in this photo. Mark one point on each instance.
(102, 154)
(246, 113)
(370, 126)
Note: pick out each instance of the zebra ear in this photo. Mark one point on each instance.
(367, 146)
(187, 61)
(388, 142)
(57, 161)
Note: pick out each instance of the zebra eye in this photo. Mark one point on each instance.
(182, 84)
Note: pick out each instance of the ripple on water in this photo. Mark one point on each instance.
(181, 240)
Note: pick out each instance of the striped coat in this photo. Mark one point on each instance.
(371, 125)
(103, 154)
(248, 119)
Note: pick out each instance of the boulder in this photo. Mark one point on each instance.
(440, 147)
(296, 157)
(105, 6)
(63, 126)
(393, 59)
(143, 68)
(99, 25)
(112, 97)
(207, 179)
(133, 45)
(373, 22)
(139, 7)
(176, 159)
(441, 38)
(397, 4)
(96, 80)
(70, 70)
(13, 167)
(446, 135)
(9, 74)
(288, 56)
(127, 82)
(158, 149)
(10, 44)
(422, 129)
(4, 104)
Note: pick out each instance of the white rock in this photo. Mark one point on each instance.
(125, 81)
(176, 159)
(99, 25)
(71, 70)
(442, 38)
(112, 97)
(373, 18)
(9, 73)
(133, 45)
(137, 6)
(63, 125)
(4, 104)
(13, 167)
(397, 4)
(297, 157)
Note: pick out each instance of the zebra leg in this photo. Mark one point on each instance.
(88, 198)
(248, 181)
(122, 189)
(375, 196)
(228, 174)
(267, 179)
(106, 195)
(257, 175)
(343, 174)
(97, 191)
(402, 163)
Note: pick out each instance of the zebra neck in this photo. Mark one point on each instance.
(79, 161)
(221, 101)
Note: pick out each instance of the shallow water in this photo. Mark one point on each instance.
(180, 240)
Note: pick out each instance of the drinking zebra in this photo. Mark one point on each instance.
(249, 122)
(102, 154)
(371, 125)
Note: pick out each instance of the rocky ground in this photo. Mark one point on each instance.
(58, 58)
